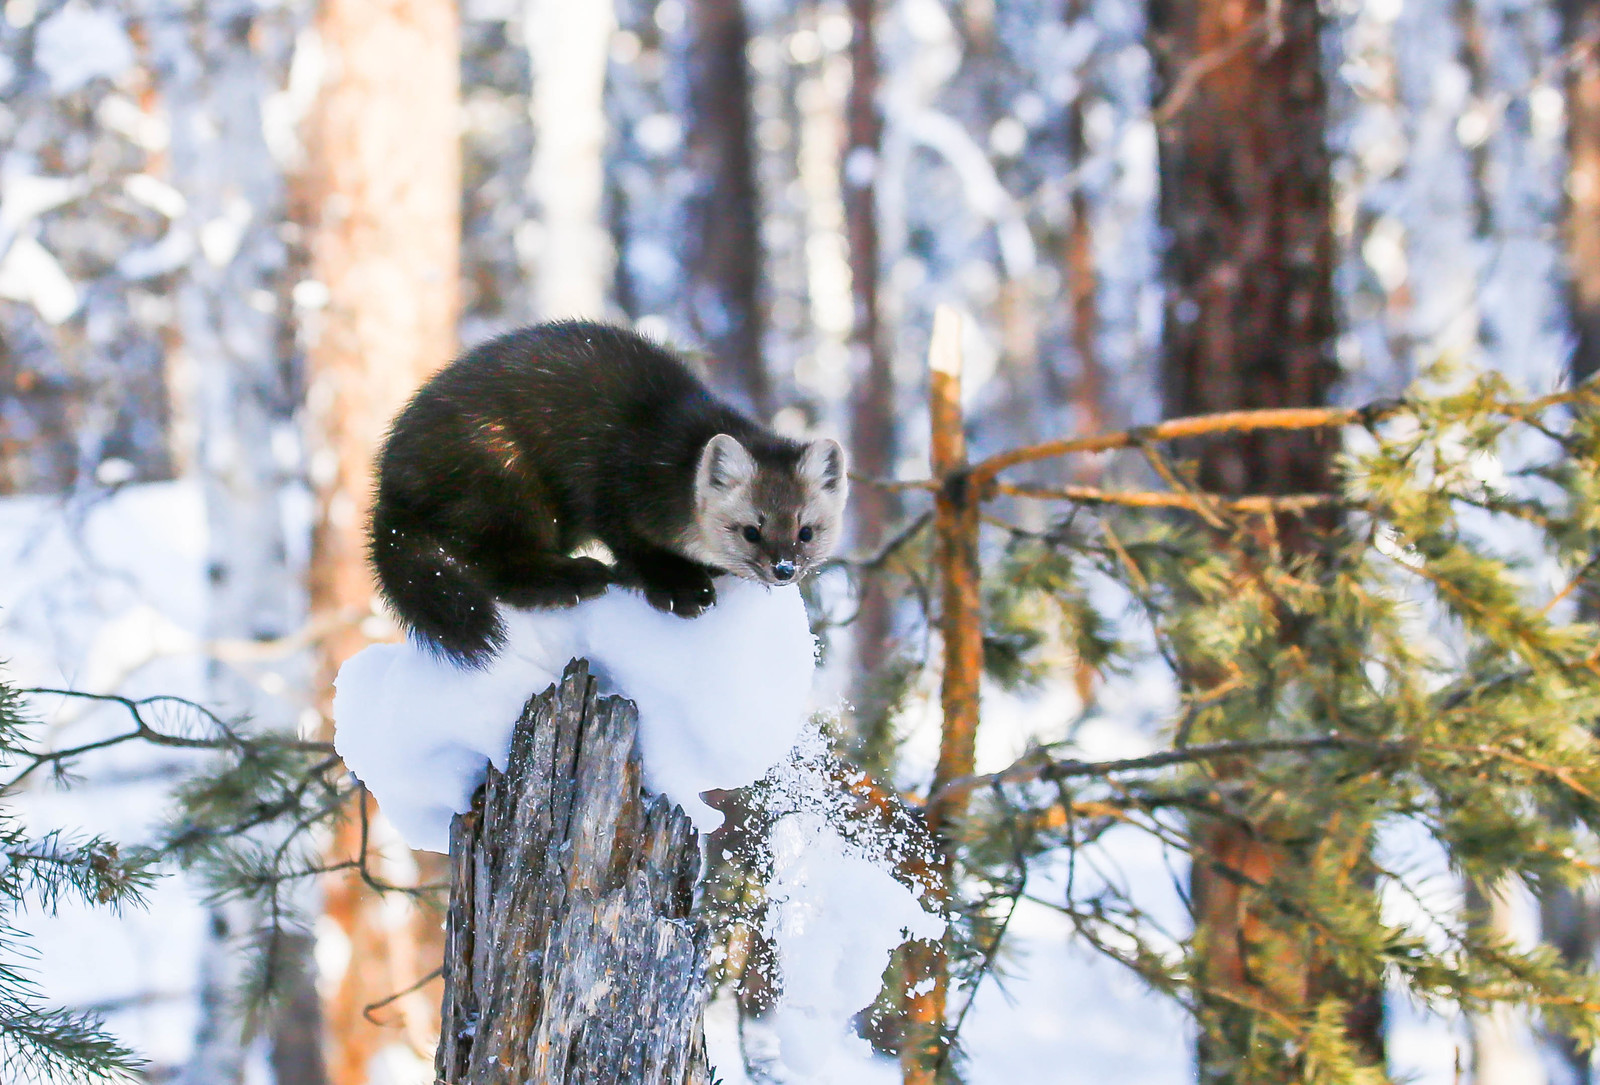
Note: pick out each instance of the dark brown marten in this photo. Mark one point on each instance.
(548, 438)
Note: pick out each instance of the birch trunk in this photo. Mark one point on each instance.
(567, 47)
(231, 339)
(571, 951)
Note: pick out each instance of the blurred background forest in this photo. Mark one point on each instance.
(235, 234)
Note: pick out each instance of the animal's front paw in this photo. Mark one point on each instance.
(543, 596)
(687, 599)
(590, 577)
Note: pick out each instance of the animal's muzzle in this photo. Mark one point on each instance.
(783, 570)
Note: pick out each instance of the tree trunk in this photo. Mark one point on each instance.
(1245, 176)
(380, 200)
(215, 74)
(571, 951)
(724, 262)
(873, 425)
(567, 49)
(1582, 20)
(1570, 918)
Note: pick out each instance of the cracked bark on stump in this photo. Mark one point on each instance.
(571, 951)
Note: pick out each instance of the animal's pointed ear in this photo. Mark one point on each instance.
(725, 465)
(822, 463)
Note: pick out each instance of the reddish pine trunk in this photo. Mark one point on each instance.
(1250, 322)
(381, 200)
(1571, 920)
(872, 420)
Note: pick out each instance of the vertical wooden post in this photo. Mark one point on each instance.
(961, 623)
(956, 554)
(571, 952)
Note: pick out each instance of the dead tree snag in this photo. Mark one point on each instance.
(572, 954)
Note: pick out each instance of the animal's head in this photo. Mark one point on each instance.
(771, 518)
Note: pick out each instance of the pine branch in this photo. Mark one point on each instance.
(1052, 770)
(97, 870)
(1166, 499)
(983, 473)
(142, 731)
(60, 1046)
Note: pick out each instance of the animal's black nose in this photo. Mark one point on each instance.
(783, 570)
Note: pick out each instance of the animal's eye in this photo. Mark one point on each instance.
(752, 533)
(806, 533)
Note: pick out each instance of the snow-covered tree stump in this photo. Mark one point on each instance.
(571, 953)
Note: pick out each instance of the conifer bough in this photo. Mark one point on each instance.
(1401, 670)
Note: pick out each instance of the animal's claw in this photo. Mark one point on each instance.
(684, 600)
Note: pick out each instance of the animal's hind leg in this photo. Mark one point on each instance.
(542, 579)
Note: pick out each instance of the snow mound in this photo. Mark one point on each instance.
(721, 699)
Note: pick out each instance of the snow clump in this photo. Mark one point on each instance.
(721, 699)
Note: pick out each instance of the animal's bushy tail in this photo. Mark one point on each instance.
(434, 594)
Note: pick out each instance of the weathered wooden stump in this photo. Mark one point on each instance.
(571, 952)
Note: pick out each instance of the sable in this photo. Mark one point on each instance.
(548, 438)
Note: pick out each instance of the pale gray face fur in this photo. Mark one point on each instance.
(796, 516)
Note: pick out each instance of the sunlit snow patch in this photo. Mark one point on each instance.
(721, 699)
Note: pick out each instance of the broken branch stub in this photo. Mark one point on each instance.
(572, 954)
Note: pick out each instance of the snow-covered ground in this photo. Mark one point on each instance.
(107, 597)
